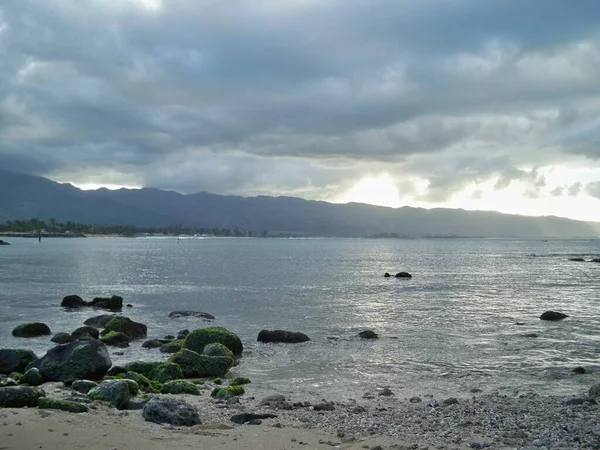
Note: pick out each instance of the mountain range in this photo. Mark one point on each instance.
(25, 196)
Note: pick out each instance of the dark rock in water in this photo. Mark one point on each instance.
(99, 321)
(577, 259)
(127, 326)
(115, 392)
(114, 303)
(579, 370)
(202, 315)
(386, 275)
(32, 329)
(368, 334)
(129, 305)
(76, 360)
(4, 242)
(288, 337)
(597, 260)
(15, 359)
(182, 334)
(20, 396)
(32, 377)
(242, 418)
(93, 332)
(519, 323)
(553, 315)
(201, 337)
(62, 338)
(403, 275)
(169, 337)
(153, 343)
(172, 411)
(194, 365)
(171, 347)
(73, 301)
(116, 338)
(530, 335)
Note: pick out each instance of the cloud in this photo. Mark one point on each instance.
(299, 97)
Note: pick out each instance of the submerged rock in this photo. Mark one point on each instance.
(368, 334)
(173, 411)
(403, 275)
(199, 314)
(553, 315)
(15, 359)
(288, 337)
(32, 329)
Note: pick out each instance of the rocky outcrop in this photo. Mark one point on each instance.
(73, 301)
(200, 337)
(115, 392)
(15, 359)
(114, 303)
(199, 314)
(99, 321)
(32, 329)
(19, 396)
(134, 330)
(194, 365)
(288, 337)
(553, 315)
(171, 411)
(76, 360)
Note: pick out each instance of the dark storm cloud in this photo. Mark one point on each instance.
(297, 96)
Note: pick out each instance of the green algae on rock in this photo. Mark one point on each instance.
(201, 337)
(180, 387)
(227, 392)
(194, 365)
(62, 405)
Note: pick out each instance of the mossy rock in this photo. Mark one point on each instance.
(180, 387)
(32, 329)
(201, 337)
(63, 405)
(239, 381)
(20, 396)
(15, 359)
(127, 326)
(83, 386)
(227, 392)
(115, 392)
(156, 370)
(32, 377)
(115, 338)
(217, 349)
(194, 365)
(172, 347)
(133, 386)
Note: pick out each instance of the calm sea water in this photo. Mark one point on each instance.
(450, 329)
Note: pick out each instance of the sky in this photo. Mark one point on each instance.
(491, 105)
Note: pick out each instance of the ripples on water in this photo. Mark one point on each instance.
(448, 330)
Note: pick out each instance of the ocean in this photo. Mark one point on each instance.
(462, 323)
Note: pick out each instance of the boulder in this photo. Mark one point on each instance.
(83, 386)
(289, 337)
(403, 275)
(153, 343)
(99, 321)
(387, 275)
(172, 411)
(62, 338)
(116, 338)
(171, 347)
(114, 303)
(76, 360)
(216, 349)
(73, 301)
(81, 331)
(115, 392)
(194, 365)
(199, 314)
(156, 370)
(19, 396)
(200, 337)
(127, 326)
(15, 359)
(179, 387)
(553, 315)
(32, 377)
(62, 405)
(32, 329)
(368, 334)
(594, 391)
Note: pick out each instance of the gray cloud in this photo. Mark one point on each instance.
(301, 98)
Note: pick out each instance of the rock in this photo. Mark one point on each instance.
(578, 259)
(82, 331)
(415, 400)
(200, 337)
(216, 349)
(32, 377)
(553, 315)
(247, 417)
(194, 365)
(99, 321)
(116, 370)
(227, 392)
(202, 315)
(181, 334)
(76, 360)
(62, 338)
(62, 405)
(115, 392)
(386, 275)
(153, 343)
(114, 303)
(19, 396)
(116, 338)
(4, 242)
(450, 401)
(83, 386)
(156, 370)
(596, 260)
(179, 387)
(324, 407)
(386, 392)
(288, 337)
(169, 337)
(32, 329)
(170, 410)
(275, 398)
(15, 359)
(594, 391)
(134, 386)
(73, 301)
(127, 326)
(368, 334)
(171, 347)
(530, 335)
(579, 370)
(403, 275)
